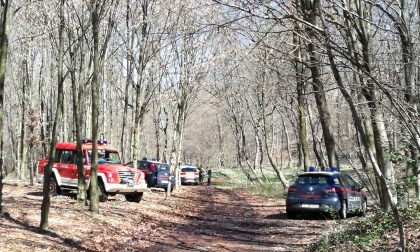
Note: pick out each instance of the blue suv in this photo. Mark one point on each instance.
(157, 174)
(325, 192)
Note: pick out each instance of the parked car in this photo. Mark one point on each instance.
(163, 176)
(157, 174)
(325, 192)
(113, 177)
(189, 174)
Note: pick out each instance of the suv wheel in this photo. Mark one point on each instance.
(291, 215)
(102, 192)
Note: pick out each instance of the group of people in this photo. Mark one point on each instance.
(202, 174)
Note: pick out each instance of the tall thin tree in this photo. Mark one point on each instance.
(45, 207)
(3, 59)
(93, 186)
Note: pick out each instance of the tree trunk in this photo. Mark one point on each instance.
(157, 114)
(380, 139)
(128, 81)
(408, 58)
(376, 117)
(42, 105)
(278, 172)
(176, 139)
(22, 145)
(286, 133)
(300, 89)
(165, 136)
(3, 60)
(31, 124)
(244, 153)
(239, 153)
(93, 186)
(140, 104)
(318, 156)
(221, 159)
(310, 15)
(45, 207)
(77, 122)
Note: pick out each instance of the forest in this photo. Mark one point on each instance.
(263, 87)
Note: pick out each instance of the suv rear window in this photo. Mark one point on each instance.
(315, 179)
(189, 169)
(164, 167)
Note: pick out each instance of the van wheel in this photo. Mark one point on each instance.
(54, 187)
(291, 215)
(342, 213)
(135, 197)
(102, 192)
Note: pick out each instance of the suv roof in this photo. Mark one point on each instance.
(187, 166)
(321, 173)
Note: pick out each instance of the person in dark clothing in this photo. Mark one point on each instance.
(209, 177)
(200, 174)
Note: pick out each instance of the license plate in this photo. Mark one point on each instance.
(130, 183)
(310, 205)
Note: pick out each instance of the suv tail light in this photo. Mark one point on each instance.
(292, 189)
(330, 190)
(196, 173)
(183, 173)
(340, 190)
(153, 167)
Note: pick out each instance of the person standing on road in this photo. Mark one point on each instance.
(200, 174)
(209, 177)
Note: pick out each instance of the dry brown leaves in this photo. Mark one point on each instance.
(198, 218)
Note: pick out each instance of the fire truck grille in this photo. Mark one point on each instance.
(126, 175)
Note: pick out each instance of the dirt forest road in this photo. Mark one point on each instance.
(194, 218)
(231, 220)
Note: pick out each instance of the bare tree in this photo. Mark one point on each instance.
(301, 99)
(3, 59)
(45, 207)
(77, 65)
(95, 8)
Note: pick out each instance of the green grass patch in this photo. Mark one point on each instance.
(233, 178)
(268, 189)
(368, 233)
(270, 186)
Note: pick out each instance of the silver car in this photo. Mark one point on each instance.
(189, 175)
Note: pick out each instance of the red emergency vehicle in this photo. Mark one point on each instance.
(113, 177)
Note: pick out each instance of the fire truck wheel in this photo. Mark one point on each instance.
(54, 187)
(102, 192)
(135, 197)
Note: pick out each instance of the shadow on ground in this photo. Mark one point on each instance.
(230, 220)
